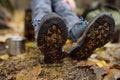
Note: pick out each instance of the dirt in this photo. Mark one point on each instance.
(30, 66)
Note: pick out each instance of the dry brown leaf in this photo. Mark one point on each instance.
(30, 74)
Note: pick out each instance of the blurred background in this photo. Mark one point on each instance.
(15, 20)
(15, 16)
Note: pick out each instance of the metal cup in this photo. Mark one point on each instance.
(15, 45)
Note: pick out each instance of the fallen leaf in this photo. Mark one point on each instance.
(30, 74)
(4, 57)
(101, 64)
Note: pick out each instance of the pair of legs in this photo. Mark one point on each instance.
(52, 30)
(42, 7)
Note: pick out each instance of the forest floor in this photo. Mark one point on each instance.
(104, 63)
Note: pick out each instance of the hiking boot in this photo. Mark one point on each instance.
(51, 36)
(96, 34)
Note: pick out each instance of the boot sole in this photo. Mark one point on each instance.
(97, 34)
(52, 35)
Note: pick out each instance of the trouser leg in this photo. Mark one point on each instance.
(39, 9)
(64, 10)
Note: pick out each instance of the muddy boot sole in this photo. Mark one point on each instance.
(52, 35)
(97, 34)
